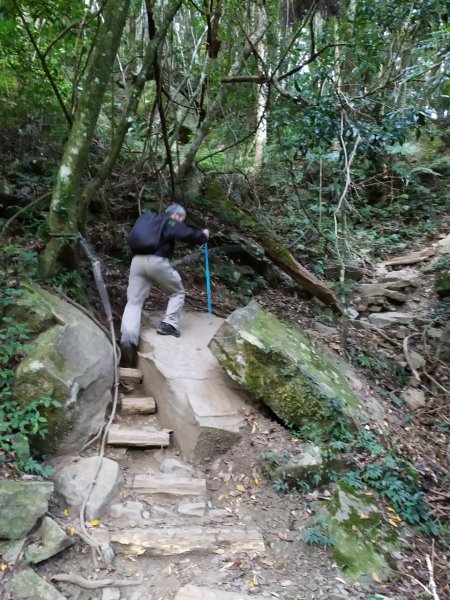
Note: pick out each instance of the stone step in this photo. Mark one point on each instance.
(141, 437)
(176, 540)
(193, 592)
(130, 375)
(138, 406)
(171, 484)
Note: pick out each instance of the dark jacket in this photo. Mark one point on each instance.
(175, 231)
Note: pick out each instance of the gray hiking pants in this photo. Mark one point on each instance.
(146, 271)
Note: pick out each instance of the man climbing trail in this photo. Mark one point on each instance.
(152, 241)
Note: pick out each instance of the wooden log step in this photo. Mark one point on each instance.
(193, 592)
(176, 540)
(140, 437)
(130, 375)
(138, 406)
(171, 484)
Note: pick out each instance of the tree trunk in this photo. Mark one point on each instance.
(215, 201)
(216, 106)
(62, 218)
(130, 113)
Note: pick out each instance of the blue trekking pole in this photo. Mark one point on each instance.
(208, 282)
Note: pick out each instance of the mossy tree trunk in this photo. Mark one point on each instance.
(130, 113)
(62, 218)
(217, 104)
(216, 201)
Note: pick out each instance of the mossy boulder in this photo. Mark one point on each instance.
(442, 284)
(280, 366)
(363, 542)
(22, 503)
(69, 359)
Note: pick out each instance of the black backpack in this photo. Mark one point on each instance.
(145, 237)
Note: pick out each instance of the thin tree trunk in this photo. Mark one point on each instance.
(62, 218)
(130, 112)
(261, 119)
(223, 89)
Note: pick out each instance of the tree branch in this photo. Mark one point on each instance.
(43, 64)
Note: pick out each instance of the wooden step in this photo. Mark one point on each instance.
(171, 484)
(181, 539)
(130, 375)
(140, 437)
(138, 406)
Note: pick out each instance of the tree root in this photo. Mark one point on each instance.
(98, 584)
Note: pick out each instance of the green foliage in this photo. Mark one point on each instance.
(18, 423)
(318, 535)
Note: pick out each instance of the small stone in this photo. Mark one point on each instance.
(413, 398)
(72, 483)
(22, 503)
(417, 360)
(128, 511)
(50, 540)
(10, 551)
(169, 465)
(27, 585)
(193, 509)
(145, 514)
(390, 318)
(111, 593)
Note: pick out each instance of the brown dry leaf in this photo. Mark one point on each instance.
(376, 578)
(240, 487)
(286, 583)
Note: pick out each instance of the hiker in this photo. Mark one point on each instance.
(152, 242)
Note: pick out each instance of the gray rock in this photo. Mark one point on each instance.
(363, 541)
(128, 511)
(10, 551)
(72, 359)
(72, 483)
(302, 465)
(169, 465)
(387, 319)
(111, 594)
(27, 585)
(50, 539)
(279, 365)
(193, 509)
(413, 398)
(408, 276)
(22, 503)
(196, 399)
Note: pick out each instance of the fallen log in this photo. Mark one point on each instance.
(89, 584)
(215, 201)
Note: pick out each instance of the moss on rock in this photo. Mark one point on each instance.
(279, 365)
(362, 541)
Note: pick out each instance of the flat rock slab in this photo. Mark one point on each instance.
(73, 480)
(386, 319)
(192, 592)
(138, 406)
(50, 539)
(22, 503)
(172, 541)
(141, 437)
(27, 585)
(171, 484)
(195, 397)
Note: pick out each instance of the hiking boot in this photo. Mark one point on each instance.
(166, 329)
(128, 356)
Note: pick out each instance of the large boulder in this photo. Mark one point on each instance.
(70, 359)
(73, 480)
(280, 366)
(22, 503)
(27, 585)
